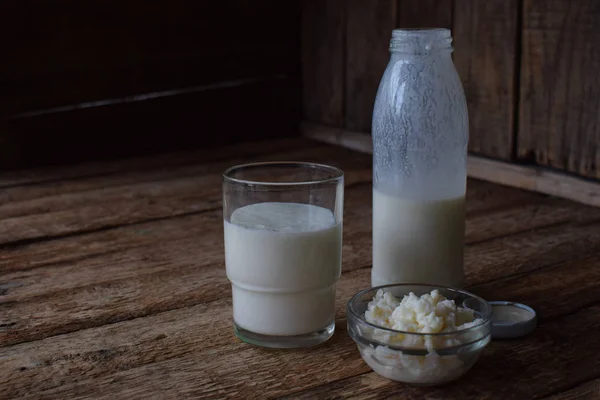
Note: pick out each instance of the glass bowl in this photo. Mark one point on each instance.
(424, 359)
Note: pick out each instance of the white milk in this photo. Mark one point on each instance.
(283, 260)
(418, 241)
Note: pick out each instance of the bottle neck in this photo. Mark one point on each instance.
(421, 42)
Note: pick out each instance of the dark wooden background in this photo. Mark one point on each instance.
(104, 79)
(530, 69)
(92, 79)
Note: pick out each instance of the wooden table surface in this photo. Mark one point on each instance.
(112, 285)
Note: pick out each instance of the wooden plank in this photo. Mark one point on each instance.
(61, 178)
(527, 251)
(87, 255)
(323, 61)
(38, 269)
(67, 52)
(191, 120)
(576, 280)
(357, 141)
(73, 250)
(161, 279)
(524, 177)
(153, 351)
(368, 31)
(161, 286)
(108, 79)
(491, 211)
(523, 216)
(189, 271)
(560, 86)
(536, 179)
(425, 13)
(148, 257)
(103, 208)
(58, 196)
(482, 197)
(485, 36)
(586, 391)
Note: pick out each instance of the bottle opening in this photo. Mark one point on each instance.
(421, 41)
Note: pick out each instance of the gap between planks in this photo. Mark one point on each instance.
(523, 177)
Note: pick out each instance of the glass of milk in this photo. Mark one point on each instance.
(283, 250)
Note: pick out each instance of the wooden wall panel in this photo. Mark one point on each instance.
(323, 57)
(193, 120)
(485, 38)
(66, 51)
(425, 13)
(368, 31)
(530, 70)
(560, 86)
(107, 78)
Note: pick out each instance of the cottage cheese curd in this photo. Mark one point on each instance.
(430, 313)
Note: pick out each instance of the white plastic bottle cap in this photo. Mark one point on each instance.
(512, 320)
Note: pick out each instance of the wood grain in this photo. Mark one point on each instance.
(62, 179)
(535, 179)
(39, 199)
(563, 279)
(37, 269)
(122, 354)
(188, 271)
(368, 31)
(560, 86)
(586, 391)
(482, 197)
(425, 13)
(196, 191)
(80, 249)
(99, 248)
(485, 42)
(80, 257)
(145, 311)
(323, 49)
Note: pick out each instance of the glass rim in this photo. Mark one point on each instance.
(353, 314)
(337, 173)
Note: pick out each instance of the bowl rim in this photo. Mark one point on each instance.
(354, 315)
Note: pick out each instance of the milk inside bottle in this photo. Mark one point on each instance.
(420, 137)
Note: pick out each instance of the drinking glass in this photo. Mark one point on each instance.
(283, 250)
